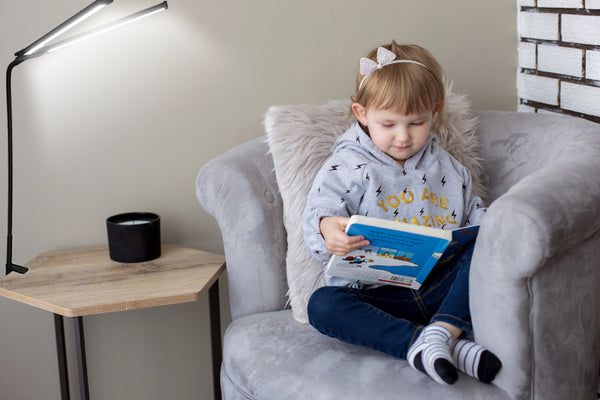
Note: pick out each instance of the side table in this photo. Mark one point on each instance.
(78, 282)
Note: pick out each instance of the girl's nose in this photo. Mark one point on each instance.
(401, 133)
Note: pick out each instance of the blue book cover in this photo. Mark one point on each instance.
(399, 253)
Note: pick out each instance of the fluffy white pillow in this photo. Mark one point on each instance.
(301, 137)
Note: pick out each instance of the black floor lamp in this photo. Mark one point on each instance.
(37, 49)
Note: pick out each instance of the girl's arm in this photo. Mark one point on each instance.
(336, 192)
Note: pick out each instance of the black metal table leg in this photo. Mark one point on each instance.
(215, 337)
(63, 371)
(84, 389)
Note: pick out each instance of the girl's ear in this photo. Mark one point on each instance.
(360, 112)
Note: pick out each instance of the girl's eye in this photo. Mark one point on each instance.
(418, 123)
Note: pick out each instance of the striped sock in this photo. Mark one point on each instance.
(474, 360)
(430, 354)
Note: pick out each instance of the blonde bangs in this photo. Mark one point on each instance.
(404, 91)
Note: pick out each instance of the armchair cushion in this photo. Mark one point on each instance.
(301, 138)
(297, 362)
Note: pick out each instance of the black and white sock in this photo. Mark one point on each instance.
(430, 354)
(474, 360)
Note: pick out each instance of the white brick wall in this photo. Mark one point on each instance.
(559, 57)
(538, 25)
(592, 67)
(560, 3)
(527, 55)
(581, 29)
(580, 98)
(592, 4)
(560, 60)
(538, 88)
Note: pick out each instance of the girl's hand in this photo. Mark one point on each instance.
(333, 230)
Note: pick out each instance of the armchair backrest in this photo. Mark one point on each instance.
(515, 145)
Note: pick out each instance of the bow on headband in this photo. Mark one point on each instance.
(384, 57)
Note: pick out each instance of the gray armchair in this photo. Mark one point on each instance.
(535, 276)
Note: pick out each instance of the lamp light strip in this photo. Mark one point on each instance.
(65, 28)
(133, 17)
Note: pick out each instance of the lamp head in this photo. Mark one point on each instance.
(41, 47)
(62, 28)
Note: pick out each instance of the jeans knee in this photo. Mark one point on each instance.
(317, 302)
(322, 303)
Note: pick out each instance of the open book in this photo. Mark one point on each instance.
(399, 253)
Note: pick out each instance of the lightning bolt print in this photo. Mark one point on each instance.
(359, 166)
(424, 178)
(378, 191)
(334, 167)
(443, 180)
(422, 211)
(396, 213)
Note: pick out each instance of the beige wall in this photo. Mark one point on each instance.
(123, 122)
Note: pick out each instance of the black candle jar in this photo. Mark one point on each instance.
(133, 237)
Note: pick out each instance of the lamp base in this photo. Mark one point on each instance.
(15, 268)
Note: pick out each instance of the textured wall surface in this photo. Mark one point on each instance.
(559, 57)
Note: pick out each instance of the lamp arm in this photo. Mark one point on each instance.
(10, 266)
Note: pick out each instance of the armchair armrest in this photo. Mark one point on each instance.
(535, 281)
(239, 189)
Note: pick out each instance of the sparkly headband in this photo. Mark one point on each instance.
(384, 57)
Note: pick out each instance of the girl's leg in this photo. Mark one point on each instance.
(448, 288)
(387, 319)
(390, 319)
(454, 309)
(430, 354)
(366, 317)
(454, 313)
(474, 360)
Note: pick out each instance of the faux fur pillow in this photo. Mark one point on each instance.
(301, 137)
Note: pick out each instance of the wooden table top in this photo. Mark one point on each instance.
(86, 281)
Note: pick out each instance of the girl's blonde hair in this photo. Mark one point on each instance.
(404, 88)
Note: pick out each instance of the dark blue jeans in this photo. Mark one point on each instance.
(389, 318)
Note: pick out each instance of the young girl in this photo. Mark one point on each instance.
(388, 165)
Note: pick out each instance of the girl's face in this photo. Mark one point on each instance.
(399, 136)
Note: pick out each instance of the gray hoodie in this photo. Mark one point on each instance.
(433, 189)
